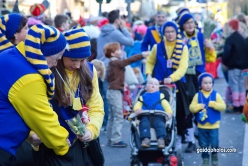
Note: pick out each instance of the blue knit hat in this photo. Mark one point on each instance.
(172, 24)
(9, 25)
(201, 76)
(42, 41)
(181, 11)
(183, 18)
(79, 43)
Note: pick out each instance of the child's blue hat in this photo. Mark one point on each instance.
(201, 76)
(79, 43)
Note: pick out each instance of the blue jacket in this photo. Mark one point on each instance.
(151, 37)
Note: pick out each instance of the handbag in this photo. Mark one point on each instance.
(130, 77)
(95, 152)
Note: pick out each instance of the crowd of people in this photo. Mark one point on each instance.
(52, 70)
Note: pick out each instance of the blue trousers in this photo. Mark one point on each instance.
(158, 123)
(207, 138)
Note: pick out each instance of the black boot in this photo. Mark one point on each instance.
(241, 109)
(190, 148)
(236, 109)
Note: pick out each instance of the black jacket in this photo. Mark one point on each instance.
(235, 53)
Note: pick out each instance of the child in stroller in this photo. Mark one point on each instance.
(152, 99)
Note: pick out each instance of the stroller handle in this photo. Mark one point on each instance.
(171, 85)
(149, 112)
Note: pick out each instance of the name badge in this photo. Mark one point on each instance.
(169, 63)
(193, 43)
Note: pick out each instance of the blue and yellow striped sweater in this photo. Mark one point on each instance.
(24, 105)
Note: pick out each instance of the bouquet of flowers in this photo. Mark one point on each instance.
(209, 26)
(76, 125)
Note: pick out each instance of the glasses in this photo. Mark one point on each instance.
(189, 23)
(170, 32)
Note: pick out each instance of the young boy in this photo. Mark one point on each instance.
(207, 103)
(115, 77)
(152, 100)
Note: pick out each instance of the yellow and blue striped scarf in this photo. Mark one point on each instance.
(39, 36)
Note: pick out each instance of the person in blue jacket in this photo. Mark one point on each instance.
(154, 33)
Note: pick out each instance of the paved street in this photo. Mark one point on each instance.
(231, 135)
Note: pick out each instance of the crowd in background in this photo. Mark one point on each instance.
(111, 37)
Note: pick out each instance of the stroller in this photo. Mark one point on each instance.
(143, 156)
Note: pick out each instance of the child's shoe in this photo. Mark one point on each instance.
(214, 158)
(205, 162)
(145, 143)
(161, 144)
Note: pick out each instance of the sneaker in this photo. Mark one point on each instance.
(161, 143)
(205, 162)
(190, 148)
(145, 143)
(214, 158)
(120, 144)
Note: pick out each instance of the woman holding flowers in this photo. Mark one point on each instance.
(76, 88)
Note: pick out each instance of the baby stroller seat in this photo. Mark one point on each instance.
(153, 153)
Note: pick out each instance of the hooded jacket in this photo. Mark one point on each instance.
(109, 33)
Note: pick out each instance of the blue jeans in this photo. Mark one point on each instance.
(158, 123)
(103, 87)
(207, 138)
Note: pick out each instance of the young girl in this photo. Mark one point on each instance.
(76, 85)
(207, 104)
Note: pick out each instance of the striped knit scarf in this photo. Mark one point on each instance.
(178, 50)
(35, 37)
(4, 42)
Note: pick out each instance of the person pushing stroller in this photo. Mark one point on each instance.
(152, 99)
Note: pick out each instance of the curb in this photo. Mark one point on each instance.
(245, 148)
